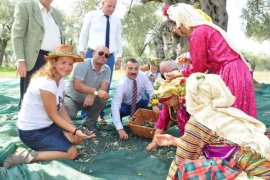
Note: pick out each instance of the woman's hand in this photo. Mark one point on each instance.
(81, 136)
(87, 135)
(165, 140)
(152, 146)
(183, 60)
(172, 75)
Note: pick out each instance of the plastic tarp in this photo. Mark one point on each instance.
(105, 157)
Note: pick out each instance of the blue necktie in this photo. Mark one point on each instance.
(107, 39)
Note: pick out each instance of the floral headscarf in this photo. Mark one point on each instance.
(187, 15)
(169, 88)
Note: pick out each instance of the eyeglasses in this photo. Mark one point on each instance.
(101, 53)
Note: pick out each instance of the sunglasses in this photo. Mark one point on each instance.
(101, 53)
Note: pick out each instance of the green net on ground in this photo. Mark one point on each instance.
(104, 157)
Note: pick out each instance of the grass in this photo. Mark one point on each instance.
(262, 76)
(7, 72)
(118, 75)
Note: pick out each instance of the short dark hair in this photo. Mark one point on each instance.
(132, 60)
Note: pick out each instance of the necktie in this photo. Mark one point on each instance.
(134, 98)
(107, 38)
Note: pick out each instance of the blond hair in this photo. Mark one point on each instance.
(47, 70)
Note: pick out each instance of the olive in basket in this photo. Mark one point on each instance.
(148, 124)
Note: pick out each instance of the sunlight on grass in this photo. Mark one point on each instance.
(118, 75)
(262, 76)
(7, 72)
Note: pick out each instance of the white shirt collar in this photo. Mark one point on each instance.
(131, 80)
(102, 13)
(42, 8)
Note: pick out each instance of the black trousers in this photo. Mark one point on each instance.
(24, 81)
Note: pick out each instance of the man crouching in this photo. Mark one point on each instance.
(87, 88)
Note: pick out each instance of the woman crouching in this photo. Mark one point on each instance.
(43, 123)
(219, 141)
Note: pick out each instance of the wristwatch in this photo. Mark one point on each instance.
(96, 93)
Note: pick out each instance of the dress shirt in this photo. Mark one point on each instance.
(124, 92)
(93, 32)
(52, 36)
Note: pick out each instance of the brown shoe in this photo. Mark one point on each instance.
(21, 156)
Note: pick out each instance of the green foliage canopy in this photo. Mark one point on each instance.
(138, 23)
(74, 20)
(257, 17)
(6, 18)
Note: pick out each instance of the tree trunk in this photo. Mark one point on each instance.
(168, 46)
(6, 59)
(3, 45)
(216, 9)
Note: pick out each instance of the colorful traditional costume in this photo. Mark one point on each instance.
(177, 114)
(165, 117)
(212, 50)
(214, 122)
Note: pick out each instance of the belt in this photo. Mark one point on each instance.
(43, 51)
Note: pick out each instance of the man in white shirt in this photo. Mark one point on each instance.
(36, 30)
(122, 99)
(93, 35)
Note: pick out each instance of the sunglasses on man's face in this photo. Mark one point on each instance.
(101, 53)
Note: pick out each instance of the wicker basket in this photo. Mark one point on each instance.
(142, 115)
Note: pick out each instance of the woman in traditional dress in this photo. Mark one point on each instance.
(173, 108)
(212, 50)
(239, 146)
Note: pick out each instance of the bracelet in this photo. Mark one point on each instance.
(75, 131)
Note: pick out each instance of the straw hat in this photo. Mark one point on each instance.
(64, 50)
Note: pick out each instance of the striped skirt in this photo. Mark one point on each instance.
(189, 162)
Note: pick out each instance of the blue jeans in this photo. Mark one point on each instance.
(110, 63)
(125, 109)
(51, 138)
